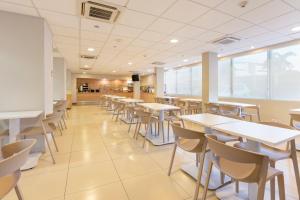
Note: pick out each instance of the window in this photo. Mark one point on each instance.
(183, 81)
(285, 73)
(197, 81)
(250, 76)
(224, 77)
(170, 82)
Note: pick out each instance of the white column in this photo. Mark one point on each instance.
(136, 90)
(159, 82)
(209, 77)
(59, 79)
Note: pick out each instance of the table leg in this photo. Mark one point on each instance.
(14, 129)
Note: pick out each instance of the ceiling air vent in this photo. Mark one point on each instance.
(99, 11)
(158, 63)
(88, 57)
(226, 40)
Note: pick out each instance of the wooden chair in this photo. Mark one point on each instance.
(14, 156)
(242, 165)
(182, 105)
(47, 126)
(276, 154)
(211, 108)
(190, 141)
(194, 107)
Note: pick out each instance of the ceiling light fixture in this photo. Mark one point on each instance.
(252, 47)
(114, 71)
(86, 66)
(295, 29)
(96, 26)
(130, 63)
(84, 72)
(174, 41)
(185, 60)
(91, 49)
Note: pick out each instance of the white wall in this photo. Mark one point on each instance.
(25, 63)
(59, 79)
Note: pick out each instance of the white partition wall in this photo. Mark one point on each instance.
(59, 78)
(25, 63)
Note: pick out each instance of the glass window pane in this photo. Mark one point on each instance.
(250, 76)
(285, 73)
(184, 81)
(197, 81)
(170, 82)
(224, 80)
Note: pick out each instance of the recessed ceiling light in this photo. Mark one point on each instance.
(130, 63)
(84, 72)
(114, 71)
(185, 60)
(91, 49)
(173, 41)
(86, 66)
(252, 47)
(295, 29)
(148, 70)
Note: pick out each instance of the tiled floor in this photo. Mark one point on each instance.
(98, 160)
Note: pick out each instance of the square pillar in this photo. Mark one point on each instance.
(160, 81)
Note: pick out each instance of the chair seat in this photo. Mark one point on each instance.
(273, 153)
(188, 144)
(7, 183)
(35, 131)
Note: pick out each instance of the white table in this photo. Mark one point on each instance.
(14, 129)
(256, 134)
(204, 122)
(160, 108)
(191, 100)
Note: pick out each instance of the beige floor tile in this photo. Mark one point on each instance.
(154, 186)
(88, 156)
(113, 191)
(89, 176)
(134, 165)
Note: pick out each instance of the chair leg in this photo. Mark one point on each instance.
(136, 127)
(64, 121)
(146, 133)
(272, 183)
(261, 190)
(295, 164)
(207, 181)
(172, 159)
(54, 141)
(48, 144)
(163, 131)
(168, 130)
(19, 193)
(281, 188)
(59, 127)
(197, 160)
(138, 131)
(237, 186)
(200, 169)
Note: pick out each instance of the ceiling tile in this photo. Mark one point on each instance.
(189, 31)
(66, 40)
(265, 37)
(65, 6)
(135, 19)
(251, 32)
(21, 2)
(92, 43)
(89, 25)
(209, 3)
(294, 3)
(281, 21)
(126, 31)
(154, 7)
(185, 11)
(60, 19)
(90, 35)
(142, 43)
(25, 10)
(266, 12)
(165, 26)
(287, 30)
(233, 26)
(151, 36)
(233, 7)
(65, 31)
(117, 2)
(210, 36)
(211, 19)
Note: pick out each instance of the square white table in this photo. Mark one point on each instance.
(160, 108)
(204, 122)
(256, 134)
(14, 129)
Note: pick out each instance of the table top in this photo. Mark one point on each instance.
(191, 100)
(158, 106)
(295, 111)
(127, 100)
(207, 119)
(244, 105)
(20, 114)
(168, 97)
(270, 135)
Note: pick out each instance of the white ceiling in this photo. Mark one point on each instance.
(143, 31)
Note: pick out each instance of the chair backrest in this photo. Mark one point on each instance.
(15, 156)
(294, 119)
(228, 110)
(143, 116)
(183, 133)
(211, 108)
(237, 163)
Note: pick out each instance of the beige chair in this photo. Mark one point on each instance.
(244, 166)
(194, 107)
(14, 156)
(190, 141)
(211, 108)
(276, 154)
(48, 126)
(182, 105)
(234, 111)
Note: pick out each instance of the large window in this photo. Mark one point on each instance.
(184, 81)
(224, 79)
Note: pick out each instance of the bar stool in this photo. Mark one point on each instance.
(193, 142)
(244, 166)
(15, 156)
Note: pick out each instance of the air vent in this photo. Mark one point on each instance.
(85, 68)
(88, 57)
(158, 63)
(226, 40)
(99, 11)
